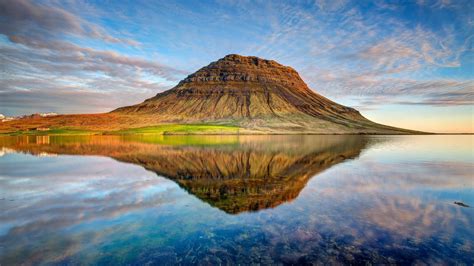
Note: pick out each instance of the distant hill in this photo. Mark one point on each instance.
(256, 95)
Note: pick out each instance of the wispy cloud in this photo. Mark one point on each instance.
(395, 65)
(47, 66)
(373, 92)
(89, 59)
(25, 18)
(409, 50)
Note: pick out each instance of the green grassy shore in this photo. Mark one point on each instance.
(165, 129)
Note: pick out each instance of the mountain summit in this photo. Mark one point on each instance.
(234, 95)
(240, 87)
(256, 94)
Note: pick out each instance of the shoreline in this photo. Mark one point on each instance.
(13, 134)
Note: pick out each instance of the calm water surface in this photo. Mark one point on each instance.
(229, 199)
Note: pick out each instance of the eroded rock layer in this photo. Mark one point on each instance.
(253, 93)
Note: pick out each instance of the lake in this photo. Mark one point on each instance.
(209, 200)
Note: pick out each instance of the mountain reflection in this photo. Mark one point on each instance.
(233, 173)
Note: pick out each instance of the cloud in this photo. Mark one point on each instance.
(440, 4)
(67, 100)
(81, 80)
(331, 5)
(370, 54)
(91, 59)
(388, 67)
(26, 18)
(412, 49)
(46, 70)
(432, 93)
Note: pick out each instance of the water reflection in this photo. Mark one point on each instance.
(236, 200)
(232, 173)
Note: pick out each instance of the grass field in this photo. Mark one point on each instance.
(181, 129)
(165, 129)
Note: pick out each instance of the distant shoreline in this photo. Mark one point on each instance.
(13, 134)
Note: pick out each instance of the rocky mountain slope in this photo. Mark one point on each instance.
(255, 95)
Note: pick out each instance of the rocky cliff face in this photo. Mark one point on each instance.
(245, 68)
(239, 87)
(253, 93)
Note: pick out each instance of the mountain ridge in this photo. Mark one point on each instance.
(254, 93)
(258, 96)
(240, 76)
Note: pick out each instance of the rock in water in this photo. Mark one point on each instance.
(461, 204)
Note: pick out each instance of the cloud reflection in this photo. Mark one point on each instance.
(367, 202)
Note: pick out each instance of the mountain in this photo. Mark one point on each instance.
(251, 94)
(257, 94)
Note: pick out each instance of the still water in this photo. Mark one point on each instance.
(236, 199)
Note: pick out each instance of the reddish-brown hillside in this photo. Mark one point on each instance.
(254, 94)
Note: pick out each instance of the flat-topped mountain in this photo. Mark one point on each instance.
(253, 93)
(240, 87)
(246, 92)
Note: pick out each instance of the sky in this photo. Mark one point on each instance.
(404, 63)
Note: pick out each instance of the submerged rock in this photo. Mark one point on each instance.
(461, 204)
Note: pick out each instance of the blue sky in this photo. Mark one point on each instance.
(404, 63)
